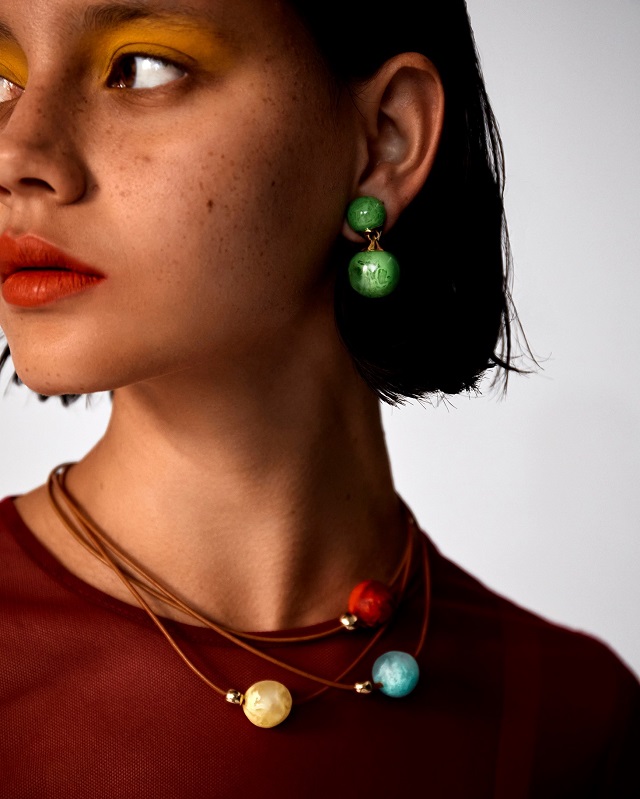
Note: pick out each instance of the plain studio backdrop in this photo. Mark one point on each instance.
(536, 495)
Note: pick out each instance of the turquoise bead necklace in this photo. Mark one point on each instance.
(267, 702)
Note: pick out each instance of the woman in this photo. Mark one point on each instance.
(177, 184)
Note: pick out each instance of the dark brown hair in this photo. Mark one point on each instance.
(451, 316)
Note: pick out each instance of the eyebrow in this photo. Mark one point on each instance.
(5, 31)
(104, 16)
(111, 15)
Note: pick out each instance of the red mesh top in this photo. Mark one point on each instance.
(94, 703)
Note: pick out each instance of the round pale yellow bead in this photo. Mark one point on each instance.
(267, 703)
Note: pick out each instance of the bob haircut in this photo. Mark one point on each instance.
(450, 318)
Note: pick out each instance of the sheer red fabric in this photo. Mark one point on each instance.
(95, 703)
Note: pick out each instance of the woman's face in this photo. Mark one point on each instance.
(194, 155)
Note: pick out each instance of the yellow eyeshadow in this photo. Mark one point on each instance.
(165, 39)
(13, 62)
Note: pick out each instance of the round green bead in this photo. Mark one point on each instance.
(366, 213)
(374, 273)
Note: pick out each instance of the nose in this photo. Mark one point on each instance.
(38, 160)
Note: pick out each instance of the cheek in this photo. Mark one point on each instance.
(228, 203)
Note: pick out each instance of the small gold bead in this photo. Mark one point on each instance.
(365, 687)
(348, 621)
(235, 697)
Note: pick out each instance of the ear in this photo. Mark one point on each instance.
(400, 117)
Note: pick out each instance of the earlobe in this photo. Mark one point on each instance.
(401, 112)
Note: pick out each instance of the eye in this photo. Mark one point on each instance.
(133, 71)
(9, 91)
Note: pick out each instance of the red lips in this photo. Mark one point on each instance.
(34, 272)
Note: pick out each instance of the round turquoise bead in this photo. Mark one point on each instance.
(374, 273)
(366, 213)
(398, 672)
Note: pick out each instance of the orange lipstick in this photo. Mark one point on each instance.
(34, 272)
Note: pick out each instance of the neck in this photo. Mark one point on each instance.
(261, 506)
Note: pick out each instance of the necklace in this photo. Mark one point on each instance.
(267, 702)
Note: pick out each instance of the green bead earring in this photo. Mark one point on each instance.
(372, 272)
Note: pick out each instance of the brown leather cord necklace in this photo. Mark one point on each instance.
(267, 703)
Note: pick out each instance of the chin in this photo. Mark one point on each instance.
(52, 381)
(54, 388)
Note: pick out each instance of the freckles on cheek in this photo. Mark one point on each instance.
(174, 217)
(221, 187)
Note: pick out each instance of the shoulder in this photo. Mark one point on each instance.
(17, 550)
(567, 655)
(569, 687)
(10, 522)
(14, 535)
(459, 591)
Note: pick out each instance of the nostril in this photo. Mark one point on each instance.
(36, 183)
(4, 192)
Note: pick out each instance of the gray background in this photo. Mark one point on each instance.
(536, 495)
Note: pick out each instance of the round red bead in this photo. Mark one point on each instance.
(372, 602)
